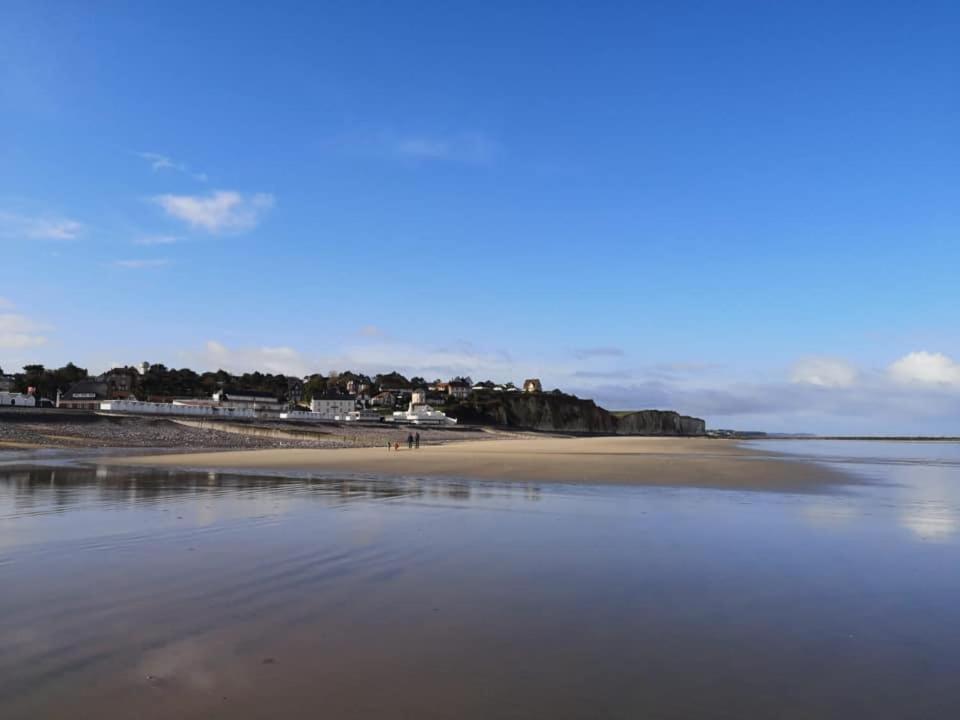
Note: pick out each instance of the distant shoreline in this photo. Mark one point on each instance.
(872, 438)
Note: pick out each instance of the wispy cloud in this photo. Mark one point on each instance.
(381, 355)
(160, 162)
(16, 226)
(824, 371)
(19, 331)
(223, 211)
(275, 360)
(593, 352)
(597, 374)
(472, 147)
(156, 240)
(371, 331)
(423, 148)
(141, 264)
(468, 148)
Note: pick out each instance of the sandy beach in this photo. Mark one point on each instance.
(694, 462)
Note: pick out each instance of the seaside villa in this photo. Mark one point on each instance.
(328, 407)
(332, 406)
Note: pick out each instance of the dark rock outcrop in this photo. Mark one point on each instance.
(537, 411)
(555, 411)
(659, 422)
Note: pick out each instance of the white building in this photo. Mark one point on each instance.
(324, 414)
(17, 399)
(459, 389)
(332, 407)
(153, 408)
(253, 399)
(419, 413)
(360, 416)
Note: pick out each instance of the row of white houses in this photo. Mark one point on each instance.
(337, 409)
(154, 408)
(343, 409)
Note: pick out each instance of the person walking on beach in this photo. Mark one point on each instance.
(416, 441)
(396, 446)
(410, 441)
(388, 445)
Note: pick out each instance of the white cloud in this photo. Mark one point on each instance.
(824, 371)
(831, 397)
(18, 227)
(926, 368)
(141, 263)
(378, 355)
(162, 162)
(18, 331)
(223, 211)
(274, 360)
(156, 240)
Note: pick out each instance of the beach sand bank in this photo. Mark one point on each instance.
(693, 462)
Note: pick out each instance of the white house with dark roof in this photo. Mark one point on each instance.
(253, 399)
(332, 407)
(84, 395)
(459, 389)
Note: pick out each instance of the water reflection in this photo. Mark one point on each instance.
(61, 486)
(918, 483)
(140, 593)
(127, 499)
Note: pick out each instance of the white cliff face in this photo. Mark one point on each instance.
(659, 422)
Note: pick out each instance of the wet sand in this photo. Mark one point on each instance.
(679, 462)
(153, 593)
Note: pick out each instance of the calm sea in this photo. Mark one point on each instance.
(145, 594)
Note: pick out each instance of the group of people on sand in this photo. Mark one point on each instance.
(413, 442)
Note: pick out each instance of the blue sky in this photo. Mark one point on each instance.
(746, 211)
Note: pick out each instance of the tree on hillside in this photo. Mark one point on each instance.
(391, 380)
(314, 387)
(47, 381)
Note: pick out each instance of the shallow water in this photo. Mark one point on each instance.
(166, 594)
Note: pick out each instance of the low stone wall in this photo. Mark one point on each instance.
(256, 430)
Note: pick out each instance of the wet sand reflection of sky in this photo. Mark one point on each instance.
(192, 595)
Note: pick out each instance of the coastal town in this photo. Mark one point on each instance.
(152, 405)
(345, 397)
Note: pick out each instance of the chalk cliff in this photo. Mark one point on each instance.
(553, 411)
(659, 422)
